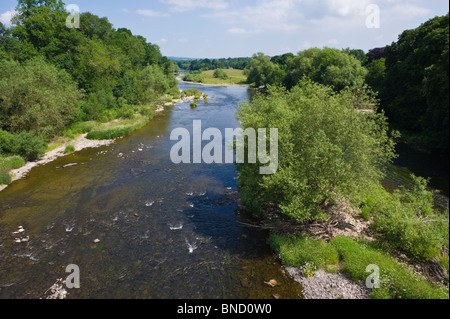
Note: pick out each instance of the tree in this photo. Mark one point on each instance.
(359, 54)
(220, 74)
(415, 95)
(376, 74)
(326, 66)
(327, 148)
(263, 72)
(36, 96)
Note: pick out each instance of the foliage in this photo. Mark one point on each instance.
(396, 281)
(11, 162)
(191, 92)
(220, 74)
(407, 221)
(416, 90)
(208, 64)
(26, 144)
(5, 177)
(192, 77)
(300, 251)
(69, 149)
(327, 148)
(36, 96)
(376, 74)
(262, 71)
(117, 129)
(326, 66)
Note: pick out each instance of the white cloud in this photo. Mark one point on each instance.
(409, 11)
(152, 13)
(163, 40)
(185, 5)
(6, 17)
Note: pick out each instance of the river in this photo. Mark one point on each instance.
(165, 230)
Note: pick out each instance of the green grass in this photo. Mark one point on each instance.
(5, 177)
(117, 128)
(298, 251)
(234, 77)
(11, 162)
(352, 258)
(396, 280)
(82, 127)
(69, 149)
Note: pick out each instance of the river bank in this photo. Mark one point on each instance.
(80, 143)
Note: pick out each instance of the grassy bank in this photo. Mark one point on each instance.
(351, 257)
(233, 77)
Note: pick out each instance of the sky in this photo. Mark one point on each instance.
(240, 28)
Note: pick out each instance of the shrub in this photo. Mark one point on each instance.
(193, 78)
(119, 129)
(406, 220)
(327, 148)
(5, 178)
(26, 144)
(12, 162)
(191, 92)
(69, 149)
(36, 96)
(221, 74)
(83, 127)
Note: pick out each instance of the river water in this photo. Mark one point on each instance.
(165, 230)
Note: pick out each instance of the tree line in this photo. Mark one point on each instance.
(213, 64)
(410, 77)
(52, 76)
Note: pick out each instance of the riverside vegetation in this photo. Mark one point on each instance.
(335, 141)
(56, 81)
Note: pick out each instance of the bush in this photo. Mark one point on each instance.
(221, 74)
(36, 96)
(193, 78)
(83, 127)
(5, 178)
(406, 220)
(26, 144)
(29, 145)
(191, 92)
(327, 148)
(69, 149)
(12, 162)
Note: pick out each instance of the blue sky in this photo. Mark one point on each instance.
(239, 28)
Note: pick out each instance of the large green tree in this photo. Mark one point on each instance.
(415, 94)
(327, 148)
(36, 96)
(326, 66)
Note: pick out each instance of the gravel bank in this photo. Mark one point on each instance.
(324, 285)
(79, 143)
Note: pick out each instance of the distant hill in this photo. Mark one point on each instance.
(174, 58)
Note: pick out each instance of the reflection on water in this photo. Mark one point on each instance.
(165, 230)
